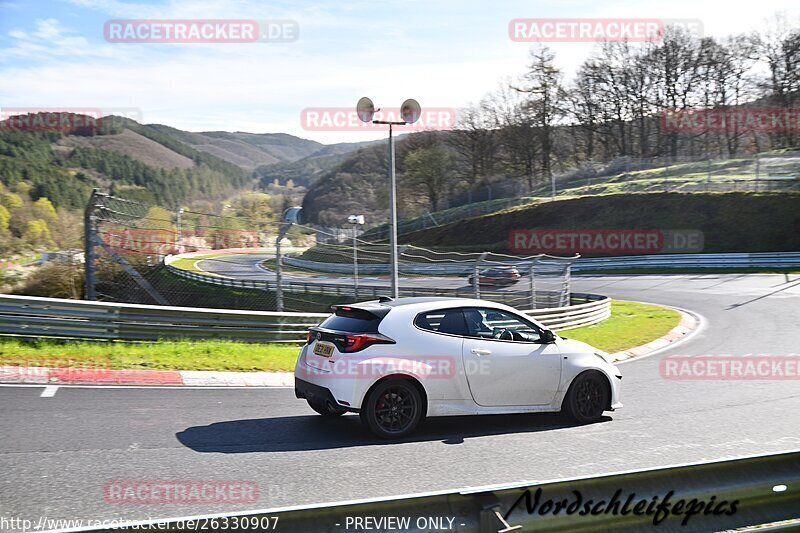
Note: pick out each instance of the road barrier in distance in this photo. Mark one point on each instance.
(34, 317)
(710, 261)
(716, 261)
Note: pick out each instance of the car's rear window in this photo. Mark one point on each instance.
(442, 321)
(353, 321)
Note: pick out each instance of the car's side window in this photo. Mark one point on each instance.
(495, 324)
(449, 321)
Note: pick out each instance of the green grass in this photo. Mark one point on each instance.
(631, 324)
(168, 355)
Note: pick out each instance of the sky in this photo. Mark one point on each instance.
(445, 54)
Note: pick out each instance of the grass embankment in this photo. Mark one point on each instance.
(631, 324)
(730, 222)
(169, 355)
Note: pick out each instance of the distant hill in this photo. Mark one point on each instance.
(131, 144)
(354, 185)
(247, 150)
(309, 169)
(64, 163)
(169, 165)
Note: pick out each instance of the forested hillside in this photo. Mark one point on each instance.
(629, 106)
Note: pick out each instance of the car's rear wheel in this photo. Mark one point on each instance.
(587, 398)
(326, 409)
(393, 409)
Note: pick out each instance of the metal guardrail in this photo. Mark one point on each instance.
(543, 297)
(733, 260)
(710, 496)
(29, 316)
(52, 317)
(540, 266)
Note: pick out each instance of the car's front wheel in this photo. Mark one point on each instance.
(587, 398)
(392, 409)
(326, 409)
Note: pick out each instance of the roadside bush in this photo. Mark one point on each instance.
(54, 280)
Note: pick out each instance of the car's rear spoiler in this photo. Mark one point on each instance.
(365, 311)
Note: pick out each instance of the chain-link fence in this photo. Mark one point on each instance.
(128, 242)
(531, 282)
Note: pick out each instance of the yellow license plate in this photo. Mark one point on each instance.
(323, 349)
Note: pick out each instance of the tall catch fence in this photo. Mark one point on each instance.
(138, 253)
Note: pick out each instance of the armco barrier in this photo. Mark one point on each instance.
(29, 316)
(715, 261)
(549, 298)
(51, 317)
(710, 496)
(719, 261)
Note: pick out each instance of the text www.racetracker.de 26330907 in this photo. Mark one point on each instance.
(231, 523)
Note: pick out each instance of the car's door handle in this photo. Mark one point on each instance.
(479, 351)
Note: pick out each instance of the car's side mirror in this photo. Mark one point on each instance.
(547, 337)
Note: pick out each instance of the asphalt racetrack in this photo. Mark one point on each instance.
(57, 453)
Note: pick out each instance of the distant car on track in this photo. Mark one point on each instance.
(500, 276)
(397, 361)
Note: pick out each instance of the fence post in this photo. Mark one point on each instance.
(533, 283)
(88, 247)
(565, 287)
(476, 277)
(278, 273)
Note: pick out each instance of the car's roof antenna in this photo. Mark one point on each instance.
(384, 299)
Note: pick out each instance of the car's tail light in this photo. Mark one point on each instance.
(354, 342)
(309, 336)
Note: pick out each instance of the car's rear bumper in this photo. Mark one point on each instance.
(318, 394)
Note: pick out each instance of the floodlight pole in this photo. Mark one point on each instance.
(392, 209)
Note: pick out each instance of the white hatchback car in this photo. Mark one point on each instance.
(397, 361)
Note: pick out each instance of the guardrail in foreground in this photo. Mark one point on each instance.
(30, 316)
(52, 317)
(709, 496)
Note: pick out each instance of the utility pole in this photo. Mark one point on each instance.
(410, 112)
(355, 220)
(88, 248)
(178, 234)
